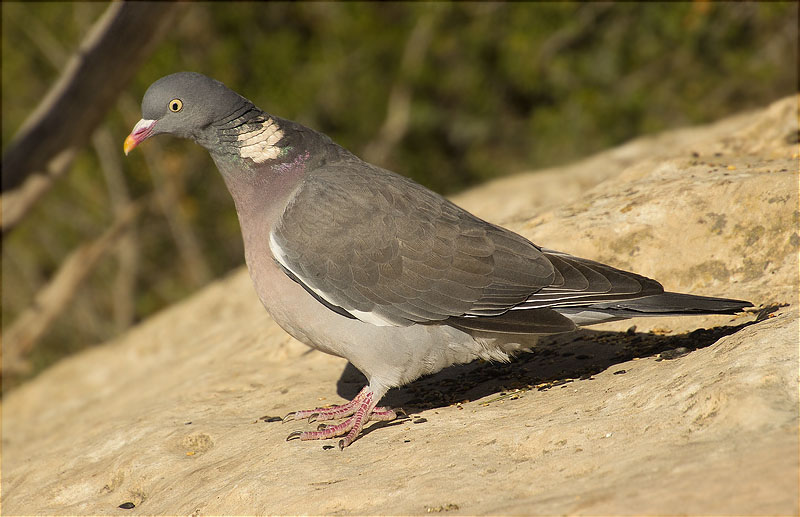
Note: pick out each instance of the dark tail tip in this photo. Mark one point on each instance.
(679, 303)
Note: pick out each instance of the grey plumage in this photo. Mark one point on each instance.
(360, 262)
(415, 258)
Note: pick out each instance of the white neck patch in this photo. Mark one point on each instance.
(258, 144)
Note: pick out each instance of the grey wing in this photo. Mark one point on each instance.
(582, 292)
(378, 247)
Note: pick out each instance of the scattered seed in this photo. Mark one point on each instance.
(442, 508)
(127, 506)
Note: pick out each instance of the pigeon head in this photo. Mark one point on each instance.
(184, 104)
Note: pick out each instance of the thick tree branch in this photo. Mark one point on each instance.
(106, 60)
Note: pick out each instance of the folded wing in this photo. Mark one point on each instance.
(373, 245)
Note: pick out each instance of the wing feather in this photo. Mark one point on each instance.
(370, 241)
(376, 246)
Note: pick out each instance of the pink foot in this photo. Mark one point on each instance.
(362, 408)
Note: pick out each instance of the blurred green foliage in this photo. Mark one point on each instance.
(493, 89)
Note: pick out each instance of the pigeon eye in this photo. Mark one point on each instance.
(175, 105)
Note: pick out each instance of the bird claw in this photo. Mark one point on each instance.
(360, 410)
(294, 434)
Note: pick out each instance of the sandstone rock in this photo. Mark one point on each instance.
(168, 419)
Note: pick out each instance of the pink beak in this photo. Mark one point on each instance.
(141, 131)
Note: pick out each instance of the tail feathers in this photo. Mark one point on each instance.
(664, 304)
(676, 303)
(563, 319)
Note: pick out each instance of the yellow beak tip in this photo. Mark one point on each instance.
(129, 144)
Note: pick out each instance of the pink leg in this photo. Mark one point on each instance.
(341, 411)
(362, 408)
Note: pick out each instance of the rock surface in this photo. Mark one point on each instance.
(170, 418)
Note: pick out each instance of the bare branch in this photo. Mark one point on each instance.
(572, 35)
(48, 45)
(197, 270)
(51, 300)
(127, 251)
(106, 60)
(398, 109)
(17, 203)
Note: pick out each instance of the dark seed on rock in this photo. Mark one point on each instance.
(420, 421)
(127, 506)
(620, 372)
(327, 447)
(267, 418)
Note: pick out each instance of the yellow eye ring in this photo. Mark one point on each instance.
(175, 105)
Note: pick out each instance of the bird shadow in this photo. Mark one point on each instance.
(555, 361)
